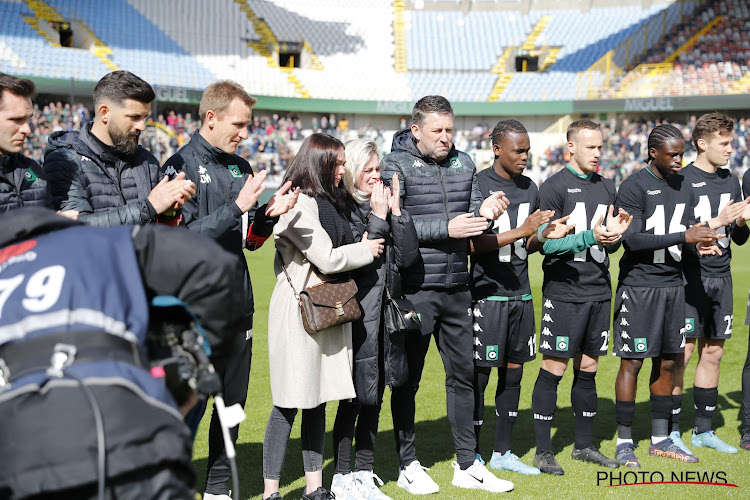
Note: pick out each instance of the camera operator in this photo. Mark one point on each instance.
(74, 315)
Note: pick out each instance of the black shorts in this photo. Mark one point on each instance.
(503, 331)
(709, 308)
(649, 321)
(572, 327)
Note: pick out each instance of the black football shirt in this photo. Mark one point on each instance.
(662, 209)
(504, 272)
(581, 276)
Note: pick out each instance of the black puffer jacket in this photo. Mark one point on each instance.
(21, 183)
(401, 251)
(108, 190)
(434, 193)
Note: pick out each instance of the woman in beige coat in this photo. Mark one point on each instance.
(314, 240)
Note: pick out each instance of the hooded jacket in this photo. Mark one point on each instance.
(21, 183)
(434, 193)
(107, 189)
(368, 337)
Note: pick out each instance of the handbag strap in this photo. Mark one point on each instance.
(288, 278)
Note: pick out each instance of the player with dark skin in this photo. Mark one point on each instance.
(667, 160)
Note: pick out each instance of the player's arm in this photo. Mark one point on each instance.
(740, 231)
(490, 242)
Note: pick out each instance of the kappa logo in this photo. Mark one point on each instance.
(545, 345)
(625, 348)
(417, 164)
(84, 158)
(547, 318)
(624, 295)
(171, 171)
(477, 341)
(205, 178)
(545, 331)
(548, 304)
(654, 192)
(477, 328)
(698, 184)
(624, 335)
(574, 190)
(477, 313)
(477, 356)
(624, 309)
(624, 322)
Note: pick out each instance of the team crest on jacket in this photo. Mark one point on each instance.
(455, 162)
(30, 175)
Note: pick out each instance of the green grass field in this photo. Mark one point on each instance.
(435, 444)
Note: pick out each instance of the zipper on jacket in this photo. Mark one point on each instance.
(449, 271)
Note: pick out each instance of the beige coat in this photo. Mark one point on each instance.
(307, 370)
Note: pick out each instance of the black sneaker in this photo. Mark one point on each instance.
(319, 494)
(274, 496)
(546, 462)
(745, 438)
(594, 456)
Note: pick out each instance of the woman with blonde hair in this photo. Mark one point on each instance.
(379, 358)
(313, 241)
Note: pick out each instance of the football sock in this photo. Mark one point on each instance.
(481, 379)
(506, 404)
(583, 400)
(705, 403)
(624, 413)
(661, 409)
(543, 402)
(676, 410)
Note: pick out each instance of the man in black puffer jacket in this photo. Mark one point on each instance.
(101, 171)
(439, 189)
(225, 209)
(21, 182)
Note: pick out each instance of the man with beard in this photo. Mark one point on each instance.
(101, 172)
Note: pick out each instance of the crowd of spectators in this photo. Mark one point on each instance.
(717, 60)
(273, 140)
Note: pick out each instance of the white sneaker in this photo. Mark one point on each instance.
(347, 487)
(211, 496)
(415, 480)
(367, 479)
(477, 477)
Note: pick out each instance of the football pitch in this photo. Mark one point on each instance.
(434, 440)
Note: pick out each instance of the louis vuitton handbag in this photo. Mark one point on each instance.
(327, 304)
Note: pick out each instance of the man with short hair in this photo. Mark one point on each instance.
(21, 182)
(225, 209)
(650, 299)
(439, 189)
(708, 291)
(101, 172)
(504, 330)
(576, 293)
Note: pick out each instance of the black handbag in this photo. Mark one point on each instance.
(400, 316)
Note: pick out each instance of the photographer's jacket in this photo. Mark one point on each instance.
(90, 287)
(107, 189)
(21, 183)
(218, 178)
(434, 193)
